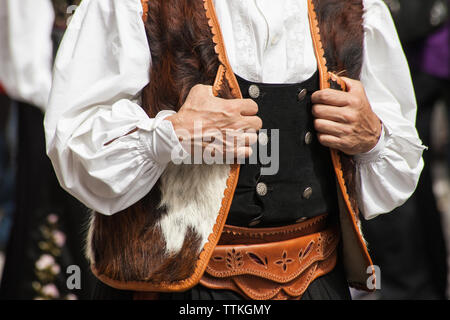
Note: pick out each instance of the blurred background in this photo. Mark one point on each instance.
(42, 228)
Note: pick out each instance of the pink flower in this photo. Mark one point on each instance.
(50, 290)
(44, 262)
(52, 218)
(56, 269)
(60, 238)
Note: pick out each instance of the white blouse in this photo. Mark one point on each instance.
(103, 65)
(26, 49)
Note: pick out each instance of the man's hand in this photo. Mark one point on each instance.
(219, 120)
(345, 120)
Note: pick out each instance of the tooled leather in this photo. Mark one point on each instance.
(238, 235)
(254, 288)
(278, 261)
(220, 48)
(284, 269)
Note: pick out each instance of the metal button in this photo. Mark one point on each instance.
(263, 139)
(302, 94)
(307, 193)
(301, 220)
(254, 223)
(254, 91)
(309, 138)
(261, 189)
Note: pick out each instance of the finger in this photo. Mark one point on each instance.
(247, 139)
(352, 85)
(210, 91)
(252, 123)
(243, 152)
(321, 111)
(247, 107)
(330, 97)
(329, 141)
(239, 138)
(330, 127)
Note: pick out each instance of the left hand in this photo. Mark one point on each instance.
(345, 120)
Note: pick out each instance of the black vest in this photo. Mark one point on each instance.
(304, 185)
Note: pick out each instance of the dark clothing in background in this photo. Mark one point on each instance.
(47, 222)
(49, 226)
(408, 245)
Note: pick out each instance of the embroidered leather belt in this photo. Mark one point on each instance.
(272, 263)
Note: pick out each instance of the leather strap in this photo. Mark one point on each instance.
(233, 235)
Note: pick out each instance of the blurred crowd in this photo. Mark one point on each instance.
(42, 228)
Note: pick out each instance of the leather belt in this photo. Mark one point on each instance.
(272, 263)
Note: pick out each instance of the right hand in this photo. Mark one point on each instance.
(228, 126)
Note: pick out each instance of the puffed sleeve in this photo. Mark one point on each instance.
(388, 174)
(26, 49)
(101, 67)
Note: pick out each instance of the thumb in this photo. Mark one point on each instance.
(350, 84)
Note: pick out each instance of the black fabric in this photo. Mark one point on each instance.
(301, 166)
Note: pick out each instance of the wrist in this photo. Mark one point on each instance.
(177, 126)
(376, 151)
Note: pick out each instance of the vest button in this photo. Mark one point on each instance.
(254, 91)
(302, 94)
(261, 189)
(307, 193)
(309, 138)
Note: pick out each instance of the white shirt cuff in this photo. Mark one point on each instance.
(164, 144)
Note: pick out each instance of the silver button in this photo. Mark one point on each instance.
(309, 138)
(254, 223)
(307, 193)
(302, 94)
(263, 139)
(253, 91)
(301, 220)
(261, 189)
